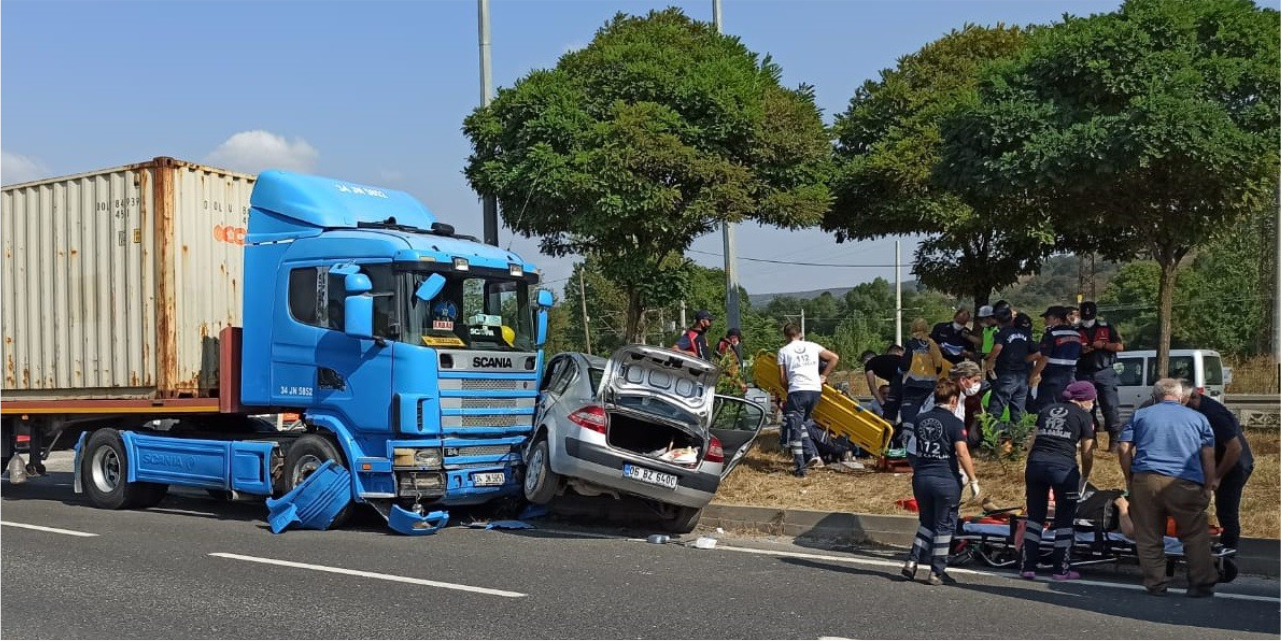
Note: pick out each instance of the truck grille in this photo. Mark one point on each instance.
(496, 420)
(490, 403)
(489, 384)
(479, 450)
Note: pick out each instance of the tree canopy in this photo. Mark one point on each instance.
(1145, 133)
(654, 134)
(887, 149)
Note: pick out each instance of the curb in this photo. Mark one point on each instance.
(1254, 556)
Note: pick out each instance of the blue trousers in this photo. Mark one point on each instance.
(797, 410)
(1066, 483)
(1009, 391)
(938, 499)
(1105, 383)
(1053, 382)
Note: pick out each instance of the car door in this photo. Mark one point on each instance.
(736, 423)
(549, 391)
(1130, 386)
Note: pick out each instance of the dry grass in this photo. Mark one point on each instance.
(1256, 375)
(764, 479)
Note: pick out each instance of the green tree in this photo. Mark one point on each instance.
(888, 147)
(1145, 132)
(656, 133)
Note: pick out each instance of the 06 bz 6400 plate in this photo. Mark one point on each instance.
(653, 477)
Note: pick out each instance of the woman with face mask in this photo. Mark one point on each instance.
(938, 438)
(1061, 428)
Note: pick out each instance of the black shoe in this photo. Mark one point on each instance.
(940, 579)
(1200, 593)
(1157, 591)
(800, 474)
(947, 578)
(909, 570)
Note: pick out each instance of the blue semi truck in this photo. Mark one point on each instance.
(411, 353)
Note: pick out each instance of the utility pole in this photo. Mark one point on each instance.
(802, 322)
(582, 299)
(1276, 298)
(733, 310)
(683, 325)
(490, 206)
(898, 297)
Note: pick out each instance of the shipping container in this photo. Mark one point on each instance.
(116, 283)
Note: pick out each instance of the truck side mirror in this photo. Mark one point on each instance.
(545, 302)
(358, 307)
(545, 298)
(430, 288)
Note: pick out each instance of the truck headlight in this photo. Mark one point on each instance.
(429, 458)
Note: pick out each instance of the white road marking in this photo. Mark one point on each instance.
(42, 528)
(370, 575)
(171, 510)
(894, 564)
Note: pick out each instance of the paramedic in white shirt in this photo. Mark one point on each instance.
(798, 366)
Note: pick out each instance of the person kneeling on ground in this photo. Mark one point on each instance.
(1051, 464)
(938, 438)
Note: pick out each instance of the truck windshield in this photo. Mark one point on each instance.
(470, 312)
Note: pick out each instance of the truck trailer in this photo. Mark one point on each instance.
(151, 311)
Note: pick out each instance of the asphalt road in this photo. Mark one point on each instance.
(197, 568)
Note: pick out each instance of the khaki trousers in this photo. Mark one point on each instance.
(1153, 498)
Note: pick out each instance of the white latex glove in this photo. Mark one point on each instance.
(974, 489)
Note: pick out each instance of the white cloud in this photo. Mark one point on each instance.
(16, 168)
(254, 151)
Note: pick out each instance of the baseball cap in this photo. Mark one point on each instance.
(1055, 310)
(1089, 310)
(1079, 391)
(986, 311)
(703, 314)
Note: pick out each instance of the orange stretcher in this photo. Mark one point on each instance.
(836, 412)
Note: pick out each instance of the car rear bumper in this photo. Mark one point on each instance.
(601, 465)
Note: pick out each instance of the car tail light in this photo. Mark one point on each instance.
(591, 418)
(715, 453)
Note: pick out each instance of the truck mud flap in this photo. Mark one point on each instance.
(413, 523)
(76, 484)
(315, 503)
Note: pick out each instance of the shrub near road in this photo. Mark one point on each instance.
(764, 479)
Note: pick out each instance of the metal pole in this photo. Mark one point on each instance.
(733, 308)
(490, 206)
(683, 325)
(898, 297)
(1276, 297)
(582, 298)
(802, 322)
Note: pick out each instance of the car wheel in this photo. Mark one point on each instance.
(304, 457)
(541, 483)
(105, 470)
(684, 520)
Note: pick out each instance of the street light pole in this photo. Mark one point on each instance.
(732, 303)
(898, 297)
(490, 206)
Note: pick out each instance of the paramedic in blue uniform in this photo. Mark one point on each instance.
(1099, 344)
(1060, 348)
(800, 373)
(938, 438)
(1061, 428)
(1233, 465)
(955, 338)
(694, 340)
(1012, 349)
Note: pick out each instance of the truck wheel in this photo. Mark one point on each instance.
(684, 520)
(305, 456)
(103, 470)
(541, 483)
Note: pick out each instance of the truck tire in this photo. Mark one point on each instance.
(541, 483)
(103, 470)
(306, 455)
(684, 520)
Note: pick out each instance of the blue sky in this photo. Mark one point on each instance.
(375, 92)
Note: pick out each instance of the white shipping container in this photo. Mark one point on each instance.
(117, 282)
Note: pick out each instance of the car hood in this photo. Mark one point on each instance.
(646, 372)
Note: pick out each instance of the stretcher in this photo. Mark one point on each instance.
(994, 537)
(835, 412)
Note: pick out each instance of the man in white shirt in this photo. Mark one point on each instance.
(798, 366)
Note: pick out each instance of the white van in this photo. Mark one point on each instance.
(1137, 370)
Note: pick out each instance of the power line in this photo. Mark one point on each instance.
(800, 264)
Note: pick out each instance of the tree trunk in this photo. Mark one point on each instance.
(1165, 309)
(981, 297)
(635, 330)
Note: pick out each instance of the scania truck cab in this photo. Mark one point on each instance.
(412, 354)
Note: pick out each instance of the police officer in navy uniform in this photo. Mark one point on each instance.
(1099, 344)
(1060, 348)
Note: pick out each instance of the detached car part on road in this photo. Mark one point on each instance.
(646, 423)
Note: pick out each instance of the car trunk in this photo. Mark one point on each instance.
(654, 439)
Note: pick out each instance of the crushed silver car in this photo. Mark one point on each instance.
(646, 423)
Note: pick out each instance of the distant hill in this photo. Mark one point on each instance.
(761, 300)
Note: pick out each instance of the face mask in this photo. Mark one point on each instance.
(957, 326)
(971, 390)
(1089, 323)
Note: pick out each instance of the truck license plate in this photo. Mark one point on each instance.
(653, 477)
(489, 478)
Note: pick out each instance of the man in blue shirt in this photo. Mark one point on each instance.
(1167, 456)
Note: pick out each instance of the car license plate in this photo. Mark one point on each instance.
(653, 477)
(489, 478)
